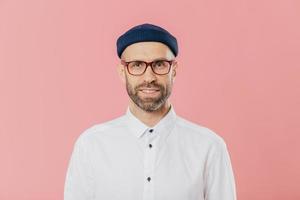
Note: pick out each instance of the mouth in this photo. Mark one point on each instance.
(149, 91)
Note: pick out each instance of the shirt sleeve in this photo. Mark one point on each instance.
(219, 177)
(79, 182)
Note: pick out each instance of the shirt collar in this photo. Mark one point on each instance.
(163, 127)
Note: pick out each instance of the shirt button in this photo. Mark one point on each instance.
(149, 179)
(151, 130)
(150, 145)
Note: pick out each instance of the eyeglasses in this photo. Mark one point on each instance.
(159, 67)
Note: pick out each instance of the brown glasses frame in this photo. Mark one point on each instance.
(123, 62)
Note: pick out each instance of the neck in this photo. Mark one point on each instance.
(149, 118)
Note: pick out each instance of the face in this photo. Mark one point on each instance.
(148, 91)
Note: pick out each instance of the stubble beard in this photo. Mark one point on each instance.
(149, 104)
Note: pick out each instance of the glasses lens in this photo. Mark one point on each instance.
(136, 67)
(161, 67)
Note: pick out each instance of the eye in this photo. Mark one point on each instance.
(136, 64)
(160, 63)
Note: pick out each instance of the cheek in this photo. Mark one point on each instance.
(167, 81)
(133, 83)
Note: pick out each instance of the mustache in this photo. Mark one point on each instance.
(150, 85)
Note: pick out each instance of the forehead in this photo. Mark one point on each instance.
(147, 51)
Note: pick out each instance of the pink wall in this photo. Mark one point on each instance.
(239, 75)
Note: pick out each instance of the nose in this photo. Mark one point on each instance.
(149, 75)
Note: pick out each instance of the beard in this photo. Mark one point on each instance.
(149, 104)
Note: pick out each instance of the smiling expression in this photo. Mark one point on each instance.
(148, 91)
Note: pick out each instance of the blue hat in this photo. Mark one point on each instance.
(146, 32)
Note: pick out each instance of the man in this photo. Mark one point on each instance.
(149, 153)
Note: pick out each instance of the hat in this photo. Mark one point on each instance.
(146, 32)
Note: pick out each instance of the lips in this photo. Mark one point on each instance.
(149, 90)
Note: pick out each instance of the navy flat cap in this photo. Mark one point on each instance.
(146, 32)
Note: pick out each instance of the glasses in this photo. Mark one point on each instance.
(159, 67)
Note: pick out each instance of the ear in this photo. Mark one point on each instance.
(174, 68)
(121, 72)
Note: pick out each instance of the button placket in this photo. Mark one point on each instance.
(151, 138)
(149, 153)
(149, 165)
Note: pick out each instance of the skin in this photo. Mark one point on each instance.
(149, 108)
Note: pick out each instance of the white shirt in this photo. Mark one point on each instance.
(124, 159)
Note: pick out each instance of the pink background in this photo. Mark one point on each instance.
(239, 75)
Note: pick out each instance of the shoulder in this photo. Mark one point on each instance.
(100, 129)
(199, 133)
